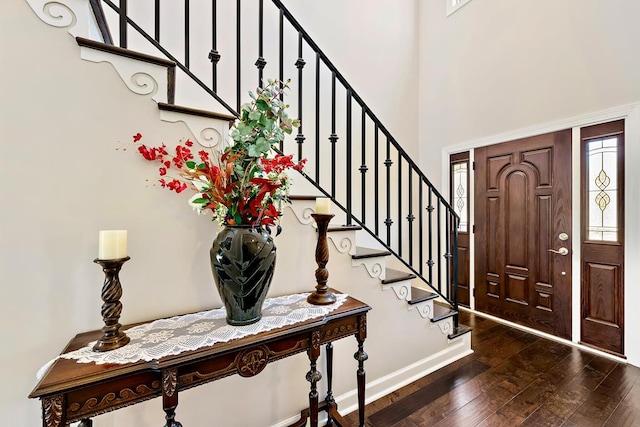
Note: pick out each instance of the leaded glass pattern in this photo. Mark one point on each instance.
(602, 178)
(461, 194)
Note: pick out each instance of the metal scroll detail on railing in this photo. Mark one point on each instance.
(353, 158)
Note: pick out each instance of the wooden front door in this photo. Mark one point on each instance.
(523, 231)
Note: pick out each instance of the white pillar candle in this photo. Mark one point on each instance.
(112, 244)
(323, 205)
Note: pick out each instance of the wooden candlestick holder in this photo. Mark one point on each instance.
(112, 336)
(322, 295)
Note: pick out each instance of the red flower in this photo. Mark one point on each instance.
(137, 137)
(146, 153)
(163, 171)
(188, 143)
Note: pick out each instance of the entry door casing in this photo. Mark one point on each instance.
(523, 209)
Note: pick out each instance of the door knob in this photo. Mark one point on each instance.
(562, 251)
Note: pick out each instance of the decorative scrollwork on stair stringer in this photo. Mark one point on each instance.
(142, 78)
(445, 325)
(343, 243)
(74, 15)
(425, 309)
(402, 289)
(201, 127)
(302, 215)
(374, 268)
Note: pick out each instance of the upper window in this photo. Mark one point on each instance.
(602, 170)
(453, 5)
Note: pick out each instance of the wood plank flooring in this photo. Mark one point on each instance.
(515, 378)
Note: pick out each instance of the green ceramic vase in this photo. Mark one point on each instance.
(243, 259)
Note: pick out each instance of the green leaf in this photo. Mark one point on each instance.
(255, 115)
(262, 105)
(244, 129)
(190, 164)
(200, 201)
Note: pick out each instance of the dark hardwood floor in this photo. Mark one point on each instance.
(515, 378)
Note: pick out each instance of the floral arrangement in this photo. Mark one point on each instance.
(246, 183)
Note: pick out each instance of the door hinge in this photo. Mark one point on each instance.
(473, 292)
(473, 228)
(473, 165)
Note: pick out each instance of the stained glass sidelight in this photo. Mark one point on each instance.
(602, 174)
(461, 194)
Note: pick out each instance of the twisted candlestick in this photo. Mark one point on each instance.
(112, 336)
(322, 295)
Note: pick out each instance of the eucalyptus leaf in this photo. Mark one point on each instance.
(262, 105)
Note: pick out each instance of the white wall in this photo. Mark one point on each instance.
(496, 70)
(374, 44)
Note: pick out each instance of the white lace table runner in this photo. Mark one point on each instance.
(166, 337)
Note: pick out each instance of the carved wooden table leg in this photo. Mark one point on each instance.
(170, 396)
(85, 422)
(329, 399)
(313, 376)
(52, 413)
(361, 356)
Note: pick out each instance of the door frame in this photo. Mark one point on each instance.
(631, 115)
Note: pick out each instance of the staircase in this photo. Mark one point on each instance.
(404, 236)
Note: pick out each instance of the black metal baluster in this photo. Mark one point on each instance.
(260, 62)
(157, 21)
(186, 33)
(214, 55)
(349, 158)
(281, 53)
(300, 66)
(439, 249)
(455, 269)
(388, 162)
(238, 57)
(363, 167)
(123, 23)
(447, 254)
(430, 236)
(399, 205)
(333, 137)
(281, 59)
(317, 117)
(410, 216)
(376, 185)
(420, 228)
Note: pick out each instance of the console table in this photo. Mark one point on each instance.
(72, 391)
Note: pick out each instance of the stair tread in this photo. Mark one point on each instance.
(362, 252)
(420, 295)
(124, 52)
(391, 276)
(343, 228)
(195, 111)
(302, 197)
(442, 311)
(460, 330)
